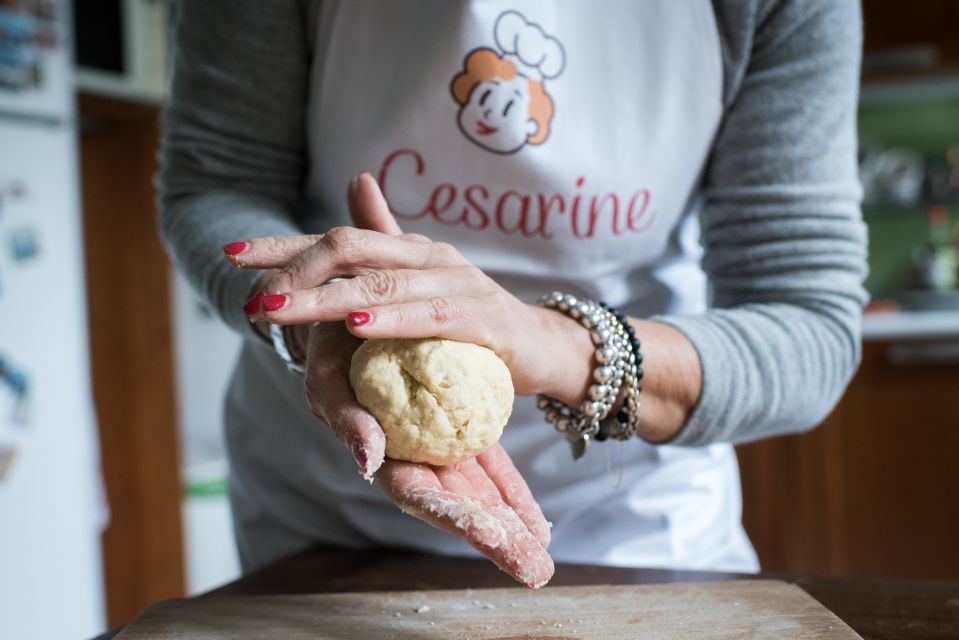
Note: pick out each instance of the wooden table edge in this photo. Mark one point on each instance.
(876, 608)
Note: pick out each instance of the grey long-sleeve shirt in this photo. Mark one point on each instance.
(781, 227)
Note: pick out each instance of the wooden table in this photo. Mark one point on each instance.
(877, 609)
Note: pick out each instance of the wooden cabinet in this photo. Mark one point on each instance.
(131, 355)
(892, 24)
(875, 489)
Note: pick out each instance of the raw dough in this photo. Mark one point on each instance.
(438, 401)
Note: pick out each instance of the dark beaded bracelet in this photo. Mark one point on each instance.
(625, 422)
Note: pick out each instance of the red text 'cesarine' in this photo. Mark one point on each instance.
(531, 214)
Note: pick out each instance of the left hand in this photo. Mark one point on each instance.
(485, 502)
(406, 286)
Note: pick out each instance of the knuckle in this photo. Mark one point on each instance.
(440, 310)
(271, 244)
(445, 252)
(288, 276)
(379, 286)
(337, 235)
(280, 281)
(344, 242)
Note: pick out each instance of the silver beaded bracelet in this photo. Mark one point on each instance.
(617, 374)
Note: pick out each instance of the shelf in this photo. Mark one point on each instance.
(918, 211)
(926, 86)
(910, 325)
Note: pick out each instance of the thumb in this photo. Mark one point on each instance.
(368, 207)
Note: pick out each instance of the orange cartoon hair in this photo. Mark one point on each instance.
(482, 65)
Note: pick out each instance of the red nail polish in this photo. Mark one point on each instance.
(235, 248)
(274, 302)
(359, 318)
(253, 304)
(359, 454)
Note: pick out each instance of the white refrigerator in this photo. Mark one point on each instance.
(51, 506)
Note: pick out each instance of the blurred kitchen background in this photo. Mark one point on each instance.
(111, 382)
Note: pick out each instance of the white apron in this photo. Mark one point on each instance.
(557, 145)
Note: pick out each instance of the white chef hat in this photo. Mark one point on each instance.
(535, 54)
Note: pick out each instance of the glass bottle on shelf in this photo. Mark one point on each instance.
(936, 261)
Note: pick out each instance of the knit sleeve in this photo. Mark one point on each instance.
(233, 151)
(784, 241)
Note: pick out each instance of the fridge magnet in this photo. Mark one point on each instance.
(23, 244)
(7, 453)
(27, 34)
(11, 192)
(14, 394)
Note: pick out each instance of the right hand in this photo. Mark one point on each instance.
(483, 501)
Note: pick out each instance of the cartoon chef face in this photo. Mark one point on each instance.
(497, 113)
(503, 104)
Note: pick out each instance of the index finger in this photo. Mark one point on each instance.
(268, 252)
(514, 491)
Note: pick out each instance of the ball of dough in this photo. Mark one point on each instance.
(438, 401)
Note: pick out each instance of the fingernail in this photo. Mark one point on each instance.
(235, 248)
(359, 454)
(275, 302)
(359, 318)
(354, 182)
(253, 304)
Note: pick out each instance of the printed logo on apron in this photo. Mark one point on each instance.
(504, 105)
(503, 101)
(541, 139)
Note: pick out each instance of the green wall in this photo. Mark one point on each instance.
(892, 238)
(927, 127)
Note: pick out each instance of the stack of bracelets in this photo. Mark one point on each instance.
(618, 375)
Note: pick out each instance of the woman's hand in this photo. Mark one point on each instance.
(483, 501)
(405, 286)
